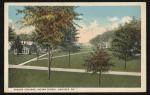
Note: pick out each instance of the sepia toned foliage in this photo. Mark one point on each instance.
(98, 62)
(48, 22)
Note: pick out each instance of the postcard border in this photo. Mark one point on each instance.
(143, 45)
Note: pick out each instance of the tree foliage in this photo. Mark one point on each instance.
(18, 45)
(12, 37)
(69, 41)
(105, 37)
(12, 34)
(98, 62)
(24, 37)
(126, 42)
(48, 22)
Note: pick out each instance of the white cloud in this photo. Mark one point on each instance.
(81, 17)
(113, 19)
(126, 19)
(114, 25)
(24, 30)
(19, 30)
(12, 24)
(87, 32)
(10, 21)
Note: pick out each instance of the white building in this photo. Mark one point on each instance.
(25, 50)
(104, 45)
(26, 47)
(27, 42)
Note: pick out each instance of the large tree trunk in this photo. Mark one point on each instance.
(49, 61)
(100, 77)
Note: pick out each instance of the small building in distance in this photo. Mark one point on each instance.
(104, 45)
(26, 48)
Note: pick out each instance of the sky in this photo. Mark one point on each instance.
(95, 19)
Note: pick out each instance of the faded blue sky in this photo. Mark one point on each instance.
(101, 13)
(95, 19)
(92, 12)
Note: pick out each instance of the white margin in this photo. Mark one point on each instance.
(6, 48)
(143, 47)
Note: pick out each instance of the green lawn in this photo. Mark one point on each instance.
(78, 60)
(133, 65)
(17, 59)
(60, 52)
(37, 78)
(14, 59)
(62, 62)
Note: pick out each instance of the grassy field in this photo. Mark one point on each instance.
(60, 52)
(62, 62)
(14, 59)
(36, 78)
(78, 60)
(133, 65)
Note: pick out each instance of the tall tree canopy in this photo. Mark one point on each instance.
(18, 45)
(69, 41)
(126, 42)
(105, 37)
(12, 34)
(12, 37)
(98, 62)
(48, 22)
(25, 37)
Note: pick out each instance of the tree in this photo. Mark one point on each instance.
(17, 45)
(135, 26)
(126, 42)
(105, 37)
(98, 62)
(48, 22)
(69, 41)
(94, 41)
(12, 36)
(24, 37)
(35, 48)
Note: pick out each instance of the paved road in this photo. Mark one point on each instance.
(74, 70)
